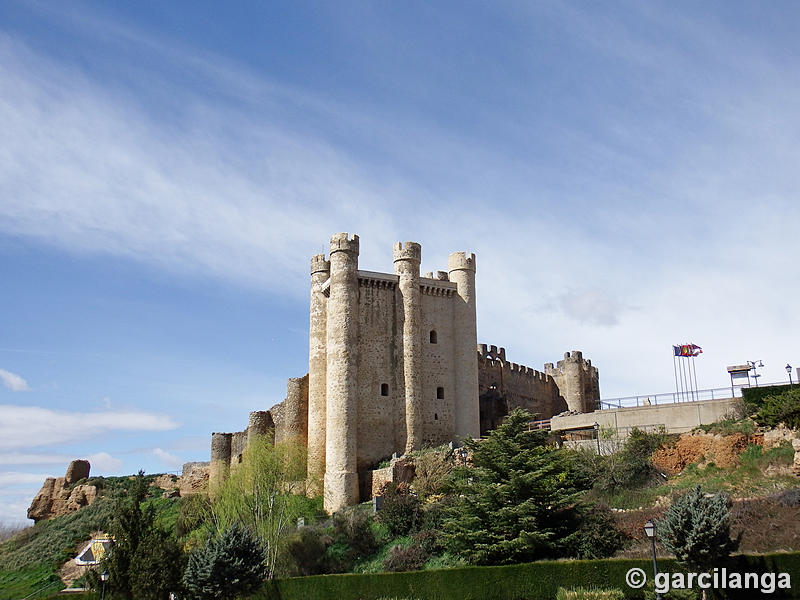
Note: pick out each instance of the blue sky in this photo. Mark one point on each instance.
(626, 173)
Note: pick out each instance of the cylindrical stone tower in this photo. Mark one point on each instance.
(572, 381)
(296, 409)
(407, 258)
(317, 367)
(461, 266)
(341, 390)
(260, 424)
(220, 460)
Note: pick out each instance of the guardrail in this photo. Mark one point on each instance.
(731, 391)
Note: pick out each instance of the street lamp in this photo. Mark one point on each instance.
(789, 371)
(103, 578)
(650, 530)
(463, 454)
(597, 435)
(753, 364)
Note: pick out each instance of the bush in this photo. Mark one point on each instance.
(754, 397)
(781, 408)
(431, 468)
(598, 535)
(401, 508)
(353, 540)
(629, 468)
(430, 541)
(696, 529)
(306, 551)
(229, 566)
(405, 559)
(790, 498)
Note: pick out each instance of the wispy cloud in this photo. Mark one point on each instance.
(168, 459)
(27, 426)
(13, 381)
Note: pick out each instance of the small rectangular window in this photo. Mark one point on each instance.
(384, 389)
(440, 393)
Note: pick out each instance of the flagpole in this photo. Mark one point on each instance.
(694, 368)
(675, 370)
(685, 382)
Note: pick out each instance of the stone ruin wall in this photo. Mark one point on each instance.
(578, 381)
(573, 384)
(283, 421)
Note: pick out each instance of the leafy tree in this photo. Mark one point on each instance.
(631, 466)
(401, 509)
(781, 408)
(259, 496)
(157, 567)
(145, 563)
(234, 564)
(696, 529)
(520, 500)
(130, 525)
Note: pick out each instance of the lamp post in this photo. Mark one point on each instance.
(753, 364)
(650, 530)
(103, 578)
(597, 435)
(463, 453)
(789, 371)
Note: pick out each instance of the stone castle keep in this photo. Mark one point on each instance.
(393, 368)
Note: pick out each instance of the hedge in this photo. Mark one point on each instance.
(530, 581)
(754, 396)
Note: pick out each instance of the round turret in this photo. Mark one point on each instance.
(319, 264)
(461, 261)
(342, 242)
(411, 251)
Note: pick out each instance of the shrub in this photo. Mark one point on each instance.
(781, 408)
(306, 551)
(696, 529)
(431, 470)
(405, 559)
(430, 541)
(401, 508)
(790, 498)
(229, 566)
(598, 535)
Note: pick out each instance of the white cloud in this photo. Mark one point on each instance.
(13, 381)
(168, 459)
(103, 461)
(26, 426)
(18, 458)
(15, 478)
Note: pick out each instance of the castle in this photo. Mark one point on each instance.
(393, 368)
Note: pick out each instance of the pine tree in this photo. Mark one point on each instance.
(229, 566)
(696, 529)
(519, 501)
(129, 527)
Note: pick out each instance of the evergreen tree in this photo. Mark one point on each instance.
(129, 527)
(696, 529)
(145, 563)
(229, 566)
(519, 501)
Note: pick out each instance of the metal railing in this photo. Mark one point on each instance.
(731, 391)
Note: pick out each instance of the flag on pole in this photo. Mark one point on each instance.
(687, 350)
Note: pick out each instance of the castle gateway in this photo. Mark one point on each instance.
(393, 368)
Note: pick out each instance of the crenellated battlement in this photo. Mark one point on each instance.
(407, 251)
(344, 242)
(461, 261)
(319, 264)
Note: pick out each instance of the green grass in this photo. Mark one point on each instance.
(747, 479)
(22, 582)
(30, 559)
(731, 426)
